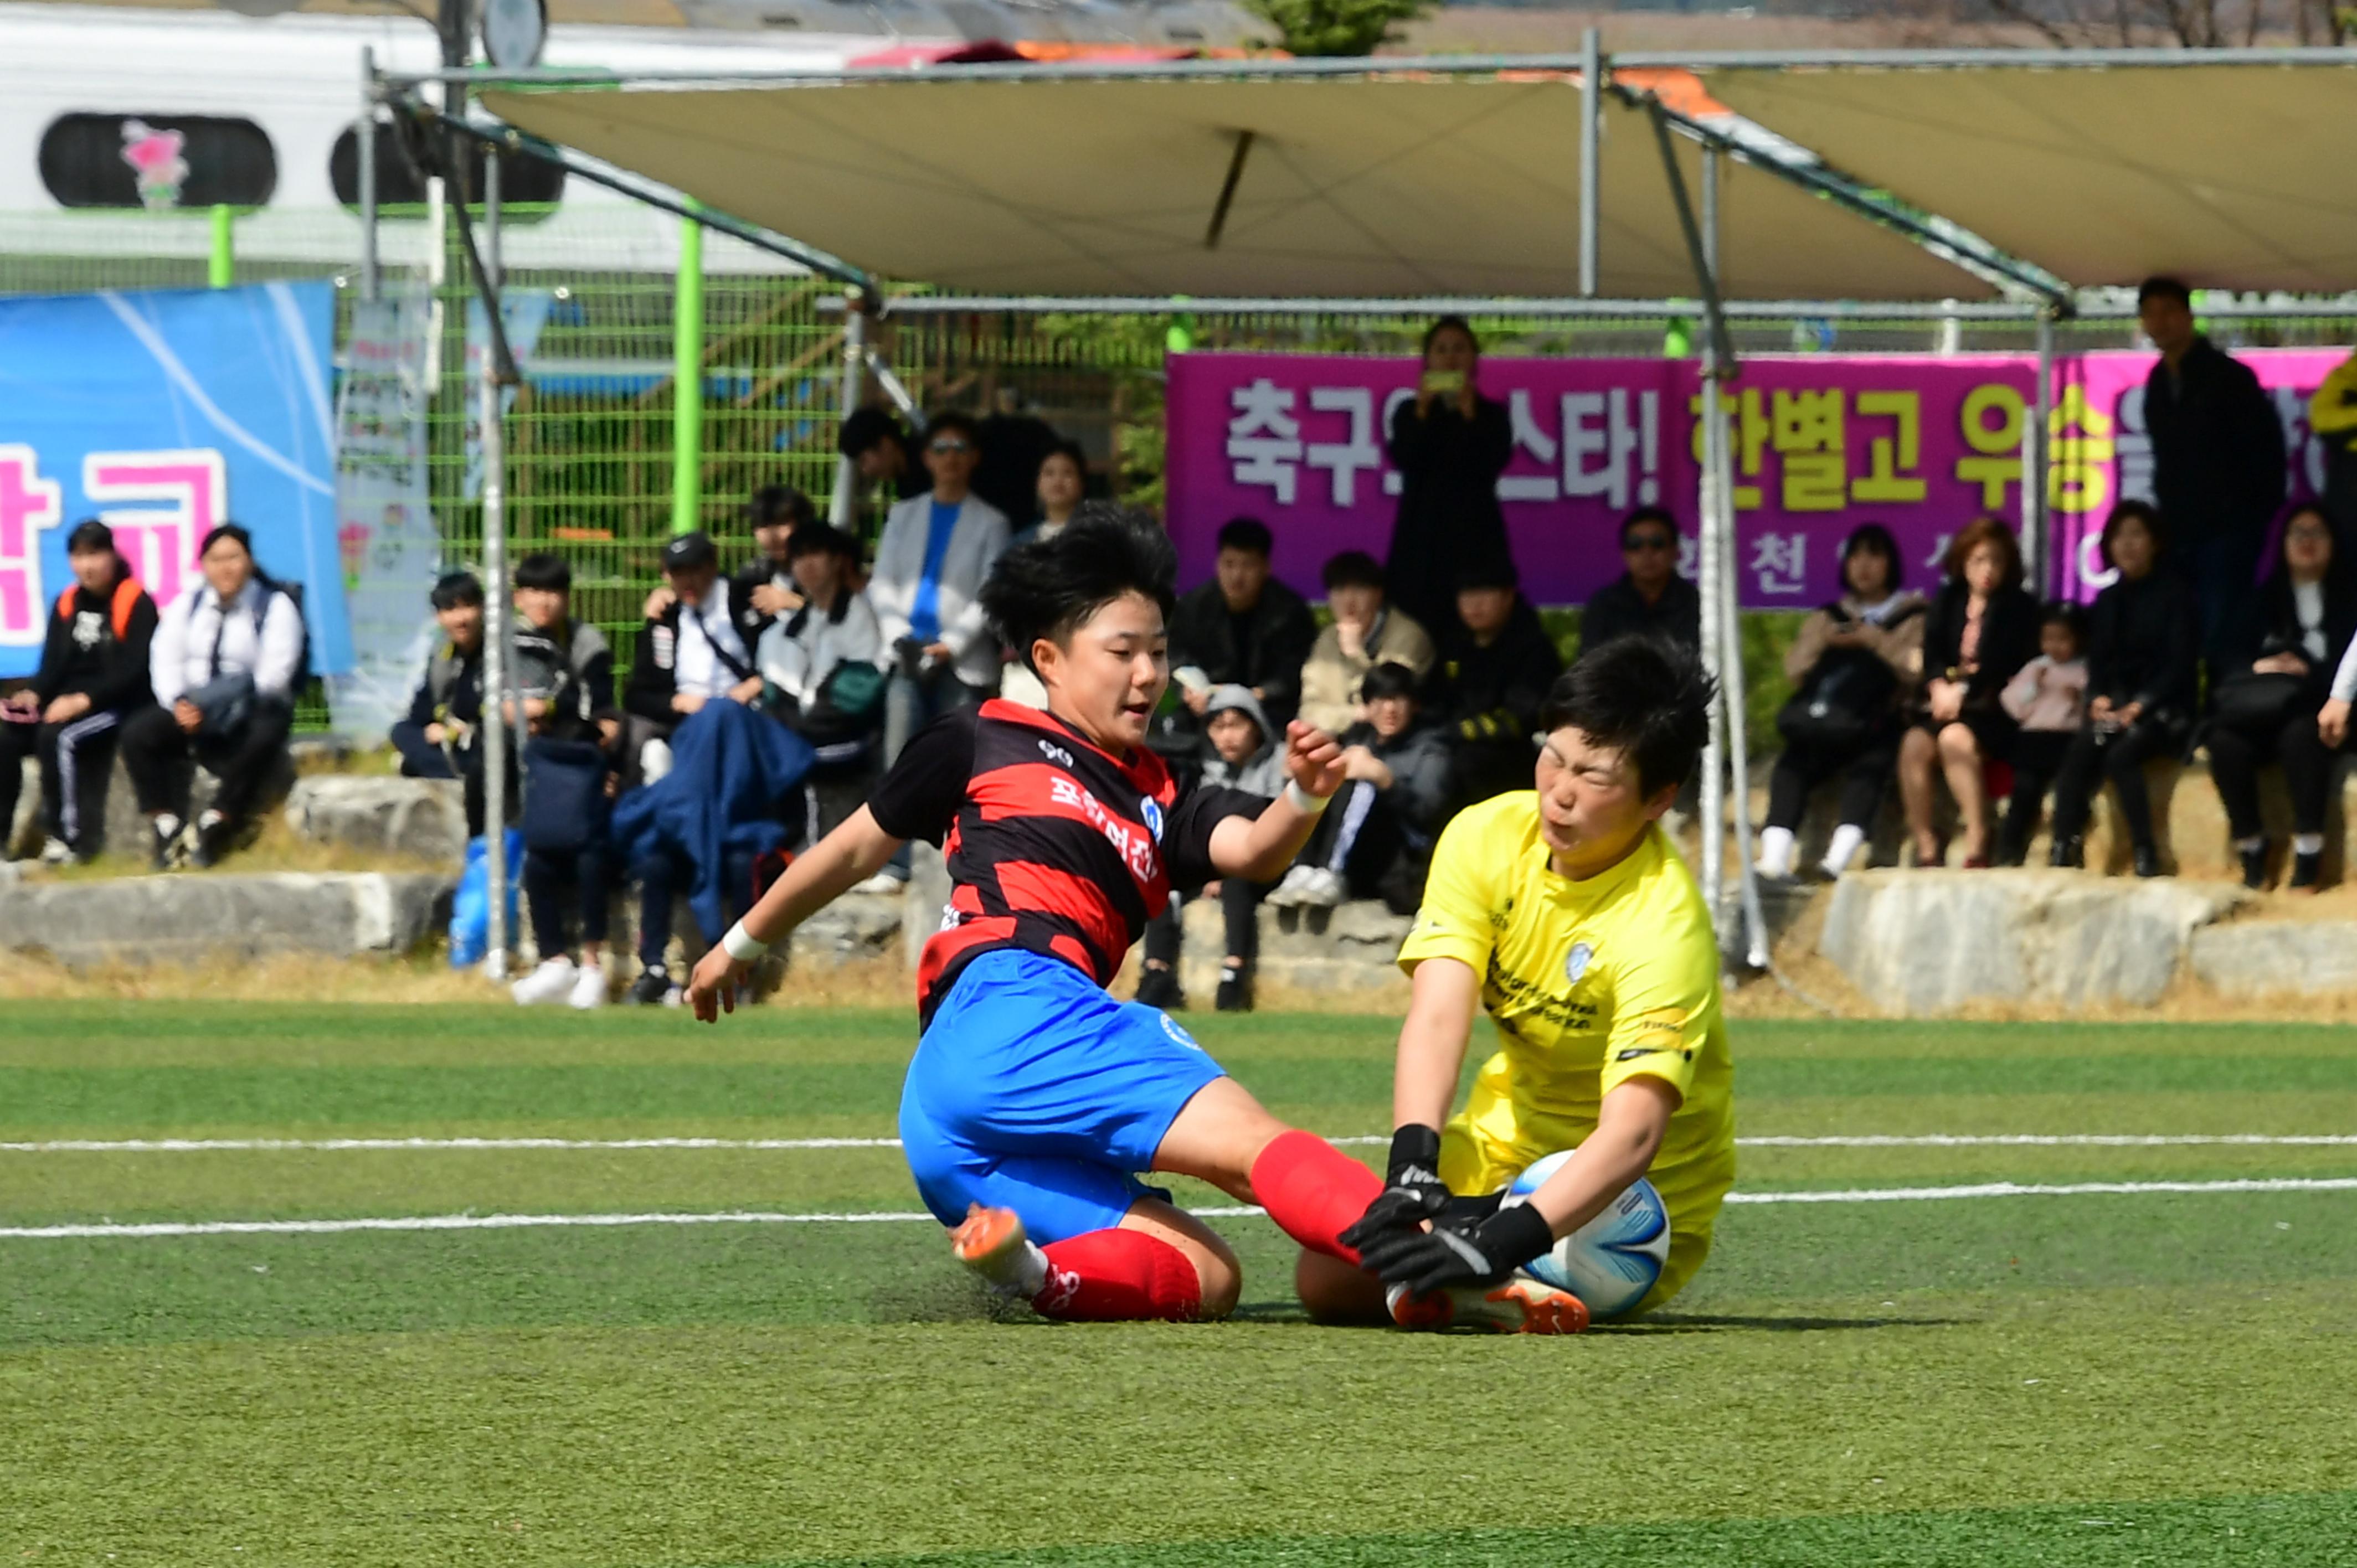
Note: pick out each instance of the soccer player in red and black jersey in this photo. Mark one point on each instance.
(1035, 1097)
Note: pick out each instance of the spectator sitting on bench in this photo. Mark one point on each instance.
(226, 659)
(1247, 753)
(565, 680)
(696, 649)
(767, 582)
(1648, 598)
(1241, 629)
(1366, 632)
(1376, 839)
(94, 674)
(1497, 663)
(437, 740)
(804, 656)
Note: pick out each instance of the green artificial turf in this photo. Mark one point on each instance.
(2084, 1381)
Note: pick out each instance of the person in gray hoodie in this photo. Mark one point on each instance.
(1376, 841)
(1245, 754)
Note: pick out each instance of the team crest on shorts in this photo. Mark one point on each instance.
(1149, 811)
(1576, 961)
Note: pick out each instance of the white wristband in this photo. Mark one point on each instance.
(741, 945)
(1302, 800)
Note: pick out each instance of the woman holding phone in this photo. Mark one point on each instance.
(1450, 445)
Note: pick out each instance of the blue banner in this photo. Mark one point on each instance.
(163, 414)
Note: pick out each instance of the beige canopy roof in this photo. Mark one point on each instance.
(1358, 186)
(2231, 172)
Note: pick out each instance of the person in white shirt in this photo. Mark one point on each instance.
(227, 658)
(696, 649)
(835, 626)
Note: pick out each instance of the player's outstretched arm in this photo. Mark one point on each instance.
(1442, 996)
(1260, 848)
(839, 861)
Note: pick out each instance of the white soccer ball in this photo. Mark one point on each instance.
(1613, 1260)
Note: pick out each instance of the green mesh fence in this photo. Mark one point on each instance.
(590, 460)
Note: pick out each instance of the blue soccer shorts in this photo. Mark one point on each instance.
(1034, 1090)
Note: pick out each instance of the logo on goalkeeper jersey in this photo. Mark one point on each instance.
(1576, 961)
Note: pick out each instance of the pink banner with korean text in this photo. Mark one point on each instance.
(2101, 455)
(1920, 444)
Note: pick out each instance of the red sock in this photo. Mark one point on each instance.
(1313, 1190)
(1118, 1276)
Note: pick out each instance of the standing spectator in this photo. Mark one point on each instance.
(1246, 755)
(767, 582)
(565, 677)
(1013, 445)
(1980, 630)
(2217, 463)
(1648, 598)
(696, 649)
(1496, 664)
(1376, 840)
(931, 564)
(93, 675)
(801, 654)
(1450, 445)
(2140, 662)
(877, 444)
(2332, 415)
(1062, 484)
(1851, 666)
(224, 663)
(1365, 632)
(2048, 699)
(437, 740)
(2271, 707)
(1241, 629)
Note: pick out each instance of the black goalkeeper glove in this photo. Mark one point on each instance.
(1413, 1190)
(1458, 1255)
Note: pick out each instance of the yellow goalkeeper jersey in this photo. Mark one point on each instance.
(1590, 985)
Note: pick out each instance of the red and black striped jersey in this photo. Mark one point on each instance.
(1054, 844)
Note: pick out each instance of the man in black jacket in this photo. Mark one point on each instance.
(1648, 600)
(1496, 664)
(94, 672)
(1241, 629)
(696, 649)
(436, 739)
(2217, 461)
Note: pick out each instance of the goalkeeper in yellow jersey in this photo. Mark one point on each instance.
(1566, 913)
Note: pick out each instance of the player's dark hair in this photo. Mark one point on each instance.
(1050, 587)
(546, 572)
(865, 428)
(456, 588)
(1648, 699)
(1353, 569)
(2164, 287)
(774, 504)
(90, 537)
(1645, 514)
(1389, 679)
(1249, 534)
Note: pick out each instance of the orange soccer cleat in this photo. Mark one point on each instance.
(1515, 1306)
(992, 1243)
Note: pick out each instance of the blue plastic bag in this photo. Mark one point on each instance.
(470, 906)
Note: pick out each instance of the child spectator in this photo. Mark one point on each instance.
(92, 676)
(1496, 664)
(695, 649)
(564, 678)
(2048, 698)
(1241, 629)
(1376, 840)
(437, 740)
(224, 664)
(1366, 632)
(1648, 598)
(1246, 754)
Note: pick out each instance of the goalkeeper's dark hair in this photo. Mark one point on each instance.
(1050, 587)
(1646, 698)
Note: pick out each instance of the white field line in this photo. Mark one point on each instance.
(1842, 1141)
(760, 1216)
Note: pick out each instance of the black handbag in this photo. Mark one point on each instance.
(564, 804)
(225, 702)
(2253, 701)
(1842, 703)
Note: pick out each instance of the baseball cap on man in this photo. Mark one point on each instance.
(688, 552)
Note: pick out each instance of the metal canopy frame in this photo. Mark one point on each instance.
(1740, 919)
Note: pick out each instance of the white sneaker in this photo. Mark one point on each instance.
(56, 852)
(883, 883)
(588, 988)
(551, 981)
(1324, 890)
(1289, 892)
